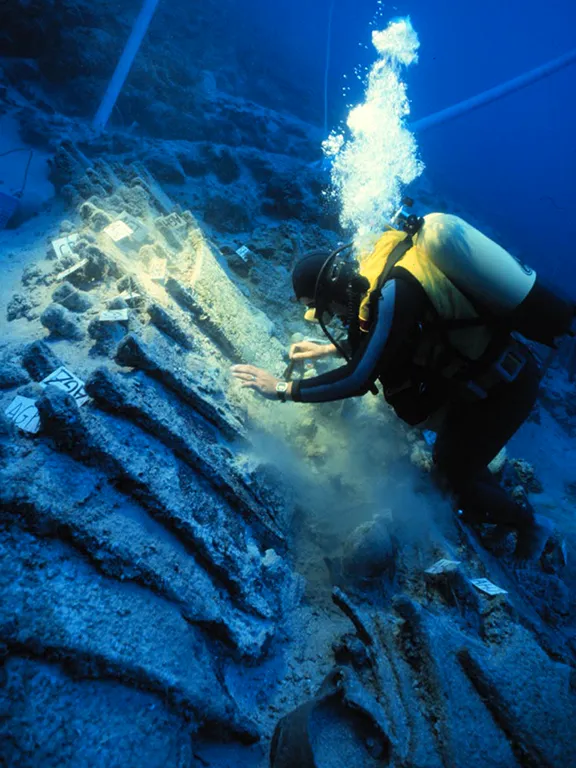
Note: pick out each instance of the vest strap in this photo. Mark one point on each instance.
(398, 252)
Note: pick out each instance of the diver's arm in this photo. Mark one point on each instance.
(399, 311)
(311, 350)
(360, 373)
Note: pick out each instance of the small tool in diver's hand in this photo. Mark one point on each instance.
(289, 370)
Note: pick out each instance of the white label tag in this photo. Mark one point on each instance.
(118, 230)
(23, 412)
(158, 269)
(443, 566)
(488, 587)
(63, 245)
(114, 316)
(244, 252)
(71, 270)
(67, 381)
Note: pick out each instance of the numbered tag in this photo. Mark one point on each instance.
(127, 296)
(244, 252)
(114, 316)
(118, 230)
(62, 247)
(71, 270)
(443, 566)
(67, 381)
(23, 412)
(488, 587)
(158, 269)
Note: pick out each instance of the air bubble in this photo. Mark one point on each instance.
(375, 156)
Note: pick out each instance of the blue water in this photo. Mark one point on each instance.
(513, 163)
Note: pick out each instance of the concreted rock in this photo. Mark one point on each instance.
(285, 197)
(166, 167)
(222, 163)
(119, 545)
(276, 244)
(153, 415)
(72, 717)
(72, 298)
(66, 227)
(100, 265)
(261, 168)
(192, 386)
(39, 360)
(134, 199)
(225, 315)
(188, 300)
(60, 322)
(118, 303)
(100, 629)
(21, 305)
(503, 687)
(227, 215)
(369, 552)
(130, 284)
(242, 265)
(527, 476)
(96, 218)
(170, 326)
(107, 335)
(66, 165)
(442, 685)
(34, 275)
(193, 162)
(203, 520)
(12, 374)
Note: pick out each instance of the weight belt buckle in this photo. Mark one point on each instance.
(510, 364)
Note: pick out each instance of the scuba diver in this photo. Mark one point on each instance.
(433, 313)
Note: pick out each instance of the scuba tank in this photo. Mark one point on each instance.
(499, 286)
(466, 274)
(478, 266)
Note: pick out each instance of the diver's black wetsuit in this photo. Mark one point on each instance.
(472, 433)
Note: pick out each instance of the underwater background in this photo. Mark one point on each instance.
(182, 564)
(512, 162)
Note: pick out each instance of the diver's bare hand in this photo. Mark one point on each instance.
(257, 379)
(310, 350)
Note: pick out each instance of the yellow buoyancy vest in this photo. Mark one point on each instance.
(449, 303)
